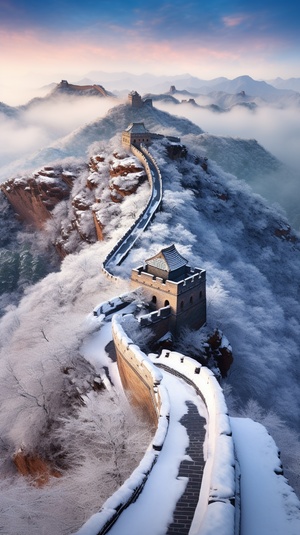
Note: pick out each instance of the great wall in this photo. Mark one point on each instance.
(142, 377)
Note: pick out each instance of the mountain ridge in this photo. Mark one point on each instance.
(250, 253)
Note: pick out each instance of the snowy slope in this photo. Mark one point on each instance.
(252, 259)
(253, 279)
(76, 144)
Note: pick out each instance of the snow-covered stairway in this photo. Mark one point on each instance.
(170, 496)
(172, 490)
(191, 468)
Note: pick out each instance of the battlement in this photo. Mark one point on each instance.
(135, 100)
(169, 283)
(193, 277)
(153, 317)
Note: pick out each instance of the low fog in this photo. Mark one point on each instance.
(21, 91)
(44, 121)
(277, 130)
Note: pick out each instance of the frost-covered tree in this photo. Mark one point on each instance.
(102, 443)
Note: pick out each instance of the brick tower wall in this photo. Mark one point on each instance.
(187, 298)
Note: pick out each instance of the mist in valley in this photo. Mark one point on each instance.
(276, 130)
(34, 126)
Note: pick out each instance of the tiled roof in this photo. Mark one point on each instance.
(168, 259)
(137, 128)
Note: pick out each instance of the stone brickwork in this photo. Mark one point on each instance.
(192, 469)
(135, 134)
(186, 297)
(135, 100)
(139, 376)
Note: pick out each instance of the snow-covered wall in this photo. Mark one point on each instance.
(106, 308)
(100, 523)
(139, 376)
(215, 512)
(117, 254)
(142, 380)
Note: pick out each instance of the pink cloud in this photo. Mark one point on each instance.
(28, 49)
(234, 20)
(32, 54)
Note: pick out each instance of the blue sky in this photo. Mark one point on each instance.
(207, 38)
(190, 18)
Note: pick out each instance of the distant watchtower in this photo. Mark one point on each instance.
(135, 100)
(169, 281)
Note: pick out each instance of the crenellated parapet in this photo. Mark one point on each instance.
(147, 378)
(168, 281)
(194, 277)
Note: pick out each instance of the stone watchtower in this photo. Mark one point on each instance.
(135, 134)
(135, 100)
(169, 281)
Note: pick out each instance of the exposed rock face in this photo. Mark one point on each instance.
(88, 190)
(286, 233)
(35, 468)
(220, 350)
(98, 226)
(120, 175)
(126, 175)
(176, 151)
(34, 197)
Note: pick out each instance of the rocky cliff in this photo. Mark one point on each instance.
(88, 190)
(34, 196)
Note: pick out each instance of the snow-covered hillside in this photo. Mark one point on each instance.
(252, 260)
(76, 144)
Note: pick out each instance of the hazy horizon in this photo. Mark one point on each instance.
(19, 93)
(54, 40)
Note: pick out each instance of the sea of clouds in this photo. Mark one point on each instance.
(35, 126)
(276, 129)
(41, 124)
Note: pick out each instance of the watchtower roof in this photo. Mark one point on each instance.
(137, 128)
(168, 259)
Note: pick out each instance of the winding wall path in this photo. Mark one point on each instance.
(193, 502)
(122, 248)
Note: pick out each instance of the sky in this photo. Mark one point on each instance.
(41, 41)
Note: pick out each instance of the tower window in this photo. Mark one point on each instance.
(166, 303)
(200, 295)
(191, 299)
(181, 305)
(153, 300)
